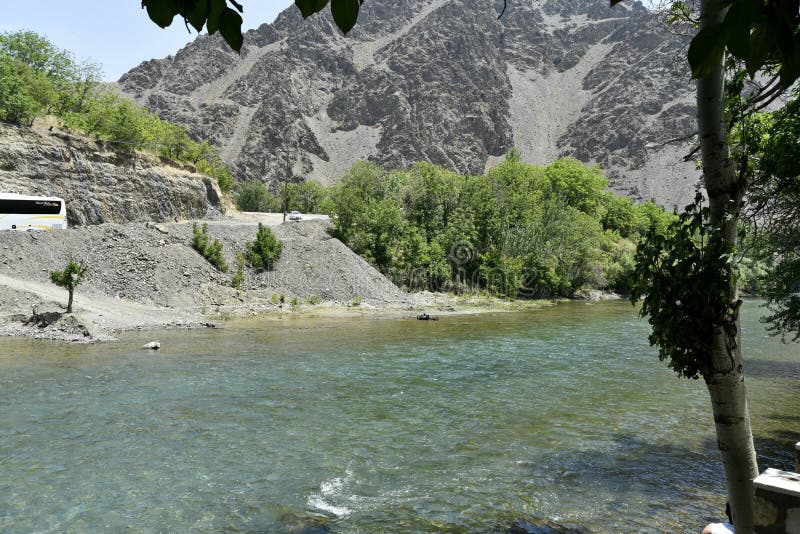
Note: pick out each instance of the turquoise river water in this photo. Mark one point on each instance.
(466, 424)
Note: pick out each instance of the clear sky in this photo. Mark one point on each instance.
(115, 33)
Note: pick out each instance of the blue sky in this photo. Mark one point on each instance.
(115, 33)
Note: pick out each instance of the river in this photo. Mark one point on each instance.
(465, 424)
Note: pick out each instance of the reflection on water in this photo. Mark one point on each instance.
(464, 424)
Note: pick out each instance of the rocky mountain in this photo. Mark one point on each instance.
(444, 81)
(102, 184)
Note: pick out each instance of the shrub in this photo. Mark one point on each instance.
(294, 301)
(69, 278)
(313, 300)
(210, 251)
(238, 278)
(265, 250)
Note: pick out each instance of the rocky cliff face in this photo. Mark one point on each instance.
(443, 81)
(100, 184)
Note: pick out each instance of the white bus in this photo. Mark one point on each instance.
(21, 212)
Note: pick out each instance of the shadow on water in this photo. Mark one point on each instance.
(776, 450)
(635, 470)
(770, 369)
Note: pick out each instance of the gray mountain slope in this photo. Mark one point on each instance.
(443, 81)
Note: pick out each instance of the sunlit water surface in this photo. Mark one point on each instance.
(464, 424)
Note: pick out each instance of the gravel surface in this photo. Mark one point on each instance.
(148, 276)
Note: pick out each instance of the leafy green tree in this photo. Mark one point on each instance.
(649, 215)
(419, 265)
(762, 36)
(238, 277)
(309, 197)
(17, 104)
(377, 231)
(561, 250)
(499, 273)
(211, 251)
(459, 240)
(253, 196)
(38, 53)
(172, 140)
(429, 195)
(619, 215)
(768, 154)
(109, 117)
(265, 251)
(580, 186)
(69, 278)
(224, 179)
(53, 77)
(197, 152)
(208, 161)
(76, 95)
(361, 184)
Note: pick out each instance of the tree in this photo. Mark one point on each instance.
(17, 105)
(37, 52)
(253, 196)
(704, 242)
(309, 197)
(69, 278)
(265, 250)
(581, 186)
(769, 148)
(53, 77)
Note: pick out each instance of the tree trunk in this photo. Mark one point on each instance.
(69, 302)
(725, 378)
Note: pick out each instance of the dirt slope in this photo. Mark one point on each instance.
(149, 276)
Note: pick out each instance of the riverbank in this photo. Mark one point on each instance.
(148, 277)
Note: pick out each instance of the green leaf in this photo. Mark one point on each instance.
(758, 50)
(198, 14)
(345, 13)
(216, 8)
(739, 19)
(706, 50)
(161, 11)
(309, 7)
(230, 26)
(790, 67)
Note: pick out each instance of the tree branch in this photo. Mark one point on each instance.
(505, 4)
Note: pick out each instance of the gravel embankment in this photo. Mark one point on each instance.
(148, 276)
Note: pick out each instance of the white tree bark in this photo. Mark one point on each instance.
(725, 378)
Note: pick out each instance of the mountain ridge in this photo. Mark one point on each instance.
(443, 81)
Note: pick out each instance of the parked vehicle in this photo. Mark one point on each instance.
(21, 212)
(295, 216)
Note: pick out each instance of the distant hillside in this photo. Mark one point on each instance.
(443, 81)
